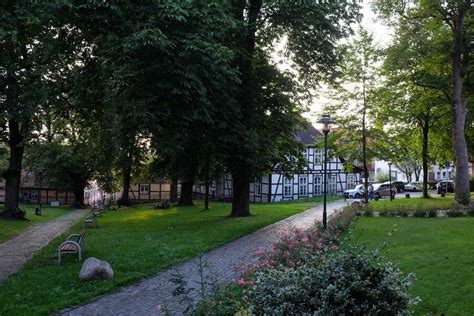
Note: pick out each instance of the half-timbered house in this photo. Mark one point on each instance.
(276, 186)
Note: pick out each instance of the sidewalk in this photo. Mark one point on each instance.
(221, 264)
(14, 253)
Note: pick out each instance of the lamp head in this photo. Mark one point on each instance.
(326, 121)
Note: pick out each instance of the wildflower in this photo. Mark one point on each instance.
(159, 308)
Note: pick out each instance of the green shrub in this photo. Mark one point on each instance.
(368, 213)
(470, 212)
(227, 301)
(403, 213)
(342, 220)
(343, 283)
(420, 213)
(432, 213)
(454, 213)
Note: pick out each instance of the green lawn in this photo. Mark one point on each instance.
(137, 242)
(439, 250)
(11, 228)
(413, 204)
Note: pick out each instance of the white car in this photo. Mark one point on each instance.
(357, 192)
(414, 186)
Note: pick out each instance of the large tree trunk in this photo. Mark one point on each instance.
(424, 154)
(79, 187)
(240, 193)
(174, 191)
(459, 111)
(13, 172)
(240, 173)
(186, 197)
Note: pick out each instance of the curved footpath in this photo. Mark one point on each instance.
(221, 266)
(15, 252)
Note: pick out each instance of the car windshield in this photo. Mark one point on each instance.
(359, 186)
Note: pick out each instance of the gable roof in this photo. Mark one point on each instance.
(308, 134)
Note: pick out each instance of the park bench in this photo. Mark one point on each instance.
(73, 244)
(162, 204)
(91, 220)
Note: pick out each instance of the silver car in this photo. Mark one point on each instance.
(357, 192)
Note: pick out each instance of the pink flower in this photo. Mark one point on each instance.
(241, 282)
(304, 240)
(296, 230)
(333, 247)
(259, 252)
(159, 308)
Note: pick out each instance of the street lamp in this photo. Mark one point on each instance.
(390, 179)
(40, 171)
(325, 120)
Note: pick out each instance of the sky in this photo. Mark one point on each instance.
(382, 36)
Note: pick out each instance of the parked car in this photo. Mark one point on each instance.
(445, 186)
(414, 186)
(357, 192)
(398, 185)
(383, 189)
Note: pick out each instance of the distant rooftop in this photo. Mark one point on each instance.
(308, 134)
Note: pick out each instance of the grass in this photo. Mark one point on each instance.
(412, 204)
(11, 228)
(439, 250)
(137, 242)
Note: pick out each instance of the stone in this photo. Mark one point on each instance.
(94, 268)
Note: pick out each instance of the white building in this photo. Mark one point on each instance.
(277, 187)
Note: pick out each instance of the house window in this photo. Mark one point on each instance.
(350, 181)
(303, 185)
(444, 174)
(318, 185)
(258, 187)
(318, 156)
(438, 175)
(144, 188)
(332, 184)
(450, 175)
(287, 187)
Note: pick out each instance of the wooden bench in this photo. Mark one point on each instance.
(73, 244)
(162, 204)
(91, 220)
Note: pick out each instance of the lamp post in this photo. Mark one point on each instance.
(390, 179)
(325, 120)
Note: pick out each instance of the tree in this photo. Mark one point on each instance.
(454, 18)
(266, 113)
(32, 57)
(354, 102)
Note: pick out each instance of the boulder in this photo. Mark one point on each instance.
(94, 268)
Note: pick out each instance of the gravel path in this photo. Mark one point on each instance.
(220, 266)
(15, 252)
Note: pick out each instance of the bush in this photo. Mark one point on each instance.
(403, 213)
(343, 282)
(420, 213)
(455, 213)
(368, 213)
(432, 213)
(342, 220)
